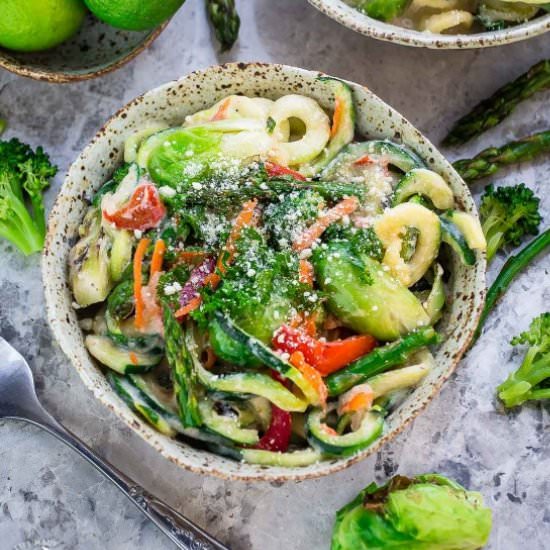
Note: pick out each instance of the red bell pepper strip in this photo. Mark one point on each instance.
(273, 170)
(143, 211)
(277, 436)
(326, 357)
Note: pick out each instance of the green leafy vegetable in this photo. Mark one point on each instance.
(24, 175)
(363, 295)
(425, 512)
(508, 214)
(532, 380)
(384, 10)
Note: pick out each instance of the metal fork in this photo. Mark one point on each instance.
(18, 400)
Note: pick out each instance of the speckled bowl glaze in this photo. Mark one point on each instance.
(170, 103)
(357, 21)
(94, 50)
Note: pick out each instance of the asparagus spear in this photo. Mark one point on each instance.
(513, 266)
(225, 20)
(214, 193)
(492, 159)
(493, 110)
(3, 125)
(182, 372)
(380, 360)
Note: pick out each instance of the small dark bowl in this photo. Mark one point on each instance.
(93, 51)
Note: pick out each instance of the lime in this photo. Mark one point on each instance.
(133, 15)
(33, 25)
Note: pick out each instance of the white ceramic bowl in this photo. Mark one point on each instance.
(170, 103)
(357, 21)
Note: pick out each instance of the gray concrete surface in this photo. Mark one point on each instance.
(50, 499)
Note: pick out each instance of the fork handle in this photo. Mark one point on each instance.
(181, 531)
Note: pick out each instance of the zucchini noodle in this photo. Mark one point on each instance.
(435, 4)
(445, 21)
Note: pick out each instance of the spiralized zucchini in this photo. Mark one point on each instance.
(315, 120)
(454, 19)
(247, 267)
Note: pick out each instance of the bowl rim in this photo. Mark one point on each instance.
(62, 77)
(353, 19)
(146, 432)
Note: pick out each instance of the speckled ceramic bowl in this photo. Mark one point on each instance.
(170, 104)
(94, 50)
(357, 21)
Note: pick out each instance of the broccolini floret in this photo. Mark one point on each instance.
(261, 289)
(532, 380)
(508, 214)
(287, 218)
(363, 240)
(24, 175)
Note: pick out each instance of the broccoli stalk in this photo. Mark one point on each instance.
(37, 172)
(16, 224)
(508, 214)
(532, 380)
(24, 175)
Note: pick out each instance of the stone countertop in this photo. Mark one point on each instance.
(51, 499)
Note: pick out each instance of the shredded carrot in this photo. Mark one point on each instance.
(158, 257)
(138, 298)
(358, 402)
(314, 231)
(307, 323)
(296, 321)
(337, 117)
(244, 219)
(213, 280)
(363, 160)
(328, 430)
(310, 324)
(306, 272)
(189, 256)
(311, 375)
(222, 111)
(190, 306)
(359, 398)
(134, 358)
